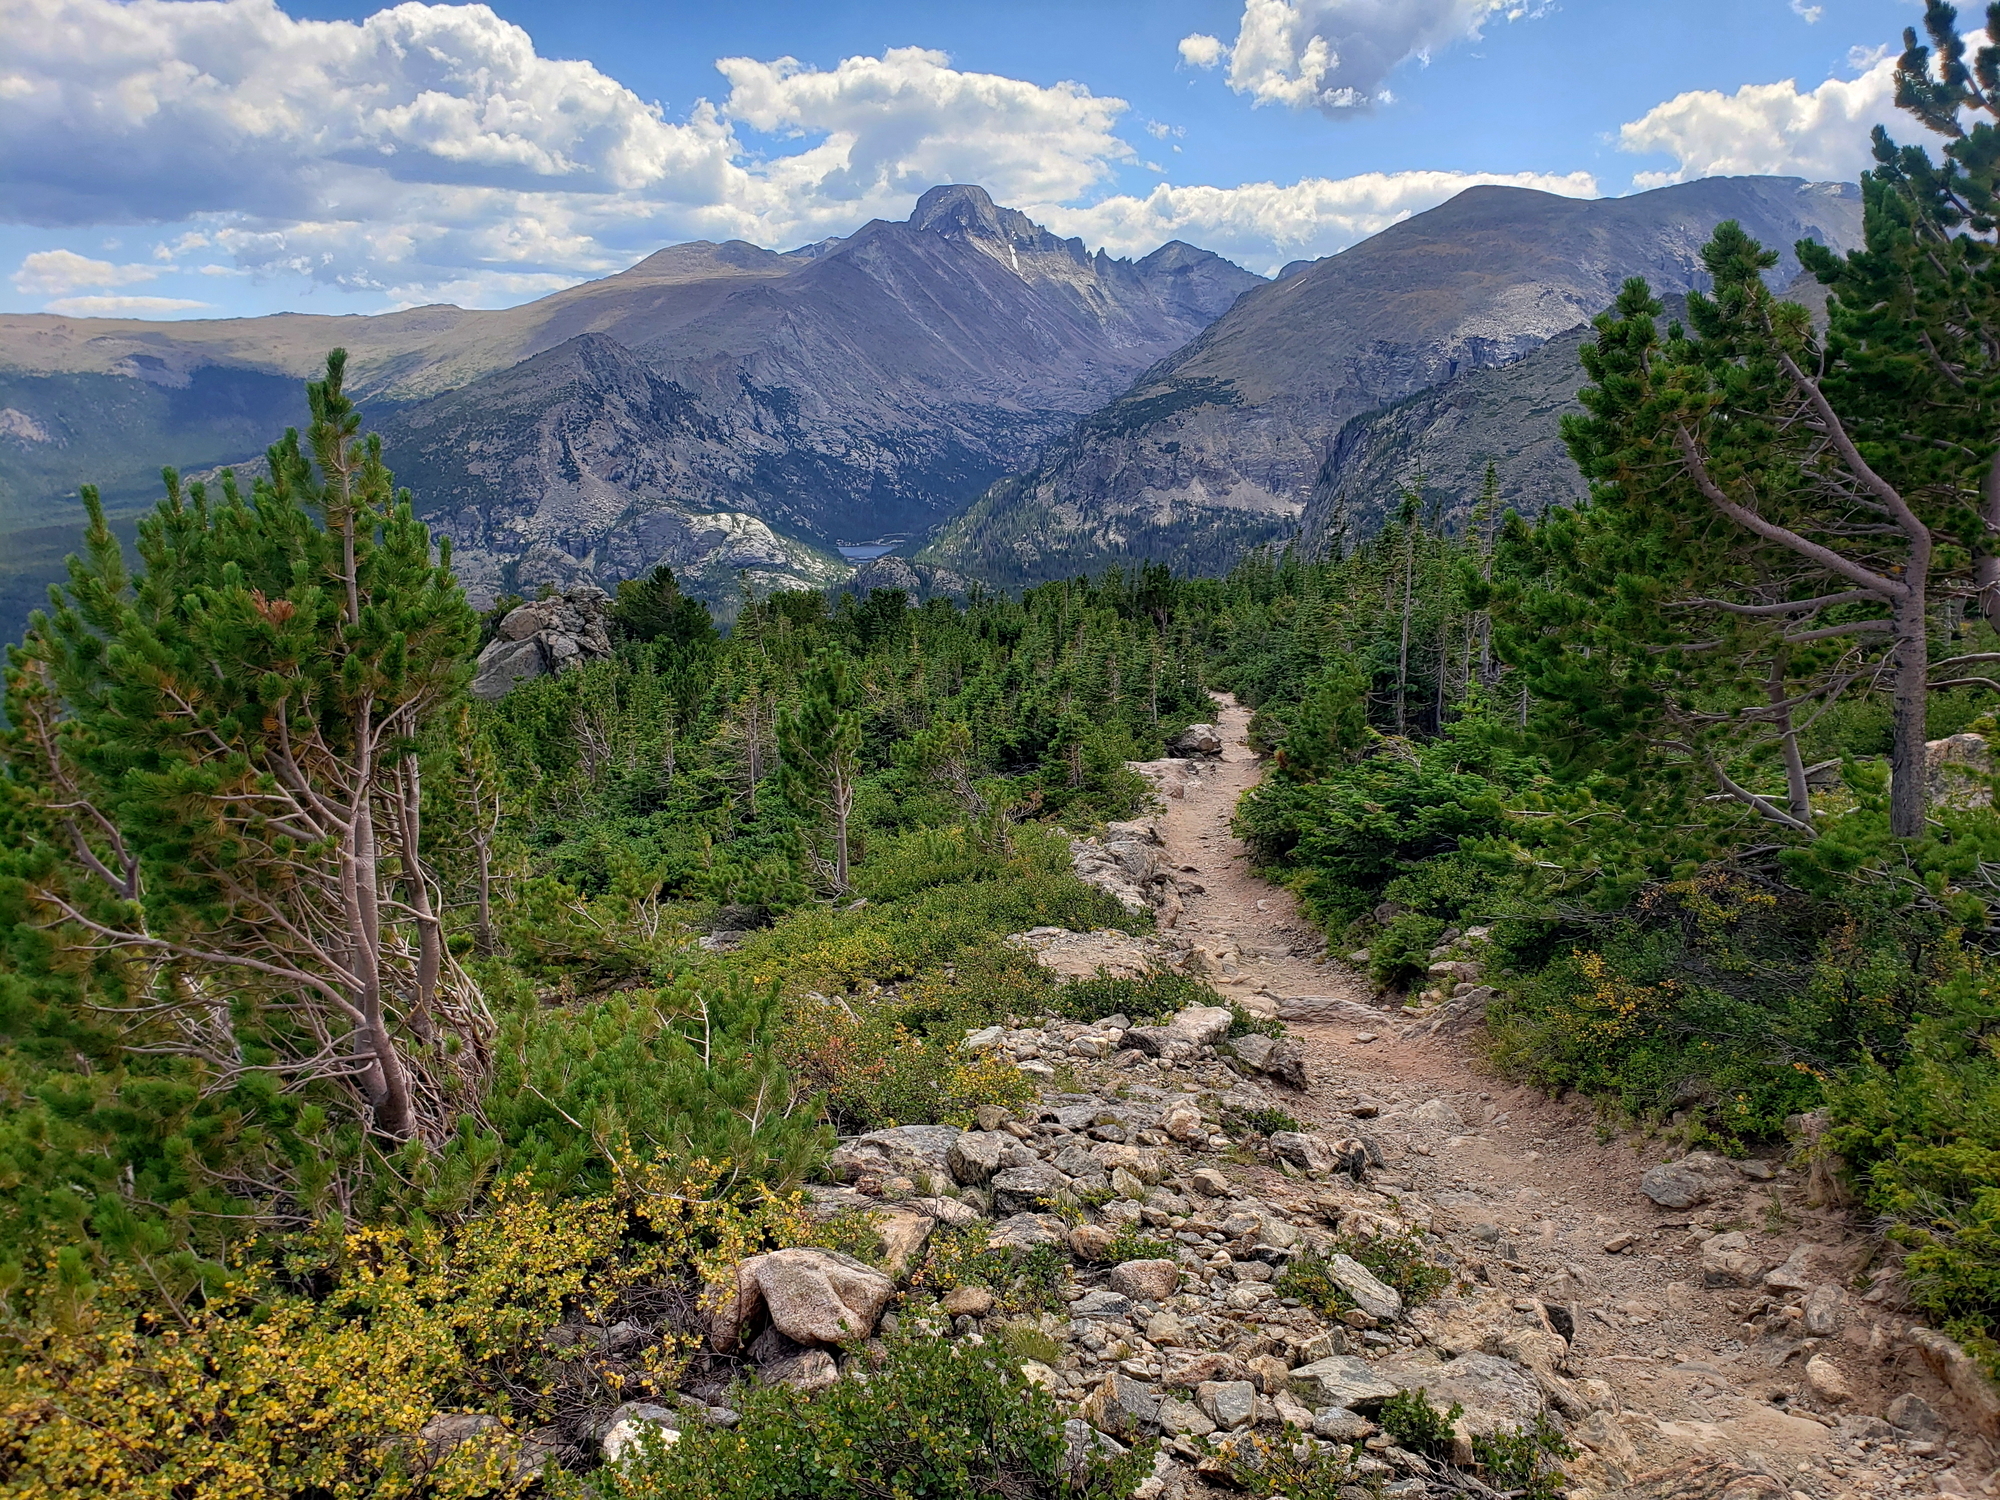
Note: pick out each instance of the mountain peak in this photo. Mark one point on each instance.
(958, 205)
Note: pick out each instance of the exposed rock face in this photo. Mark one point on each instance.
(749, 421)
(717, 407)
(1218, 447)
(548, 636)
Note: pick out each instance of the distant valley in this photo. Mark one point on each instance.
(1014, 406)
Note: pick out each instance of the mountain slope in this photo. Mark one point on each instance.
(1220, 444)
(864, 386)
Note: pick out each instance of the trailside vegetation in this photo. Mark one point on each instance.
(360, 1042)
(1700, 760)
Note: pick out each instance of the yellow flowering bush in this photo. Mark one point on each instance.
(316, 1370)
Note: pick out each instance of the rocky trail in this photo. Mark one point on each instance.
(1695, 1327)
(1738, 1326)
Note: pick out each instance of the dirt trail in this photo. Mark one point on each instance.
(1546, 1190)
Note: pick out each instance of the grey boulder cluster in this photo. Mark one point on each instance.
(1130, 863)
(546, 637)
(1153, 1165)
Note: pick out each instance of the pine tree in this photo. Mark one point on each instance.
(819, 748)
(221, 755)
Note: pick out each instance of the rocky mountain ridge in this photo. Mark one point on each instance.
(1220, 445)
(724, 409)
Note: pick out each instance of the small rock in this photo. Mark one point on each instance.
(1282, 1058)
(1209, 1182)
(626, 1428)
(1620, 1242)
(1916, 1416)
(977, 1154)
(1301, 1150)
(1184, 1123)
(1270, 1374)
(1122, 1405)
(1728, 1260)
(814, 1297)
(1381, 1303)
(1101, 1302)
(1128, 1185)
(1020, 1190)
(1090, 1241)
(1026, 1232)
(1186, 1371)
(1164, 1329)
(1202, 741)
(1037, 1373)
(1146, 1280)
(1184, 1417)
(1437, 1114)
(1825, 1310)
(967, 1301)
(1339, 1425)
(1689, 1182)
(812, 1370)
(1827, 1380)
(1340, 1380)
(1230, 1403)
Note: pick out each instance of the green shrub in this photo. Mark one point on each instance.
(1413, 1422)
(1131, 1244)
(1242, 1023)
(690, 1070)
(1398, 1260)
(1159, 995)
(1263, 1121)
(1285, 1469)
(1527, 1463)
(1922, 1136)
(937, 1420)
(1035, 1280)
(1309, 1278)
(1723, 1000)
(1401, 953)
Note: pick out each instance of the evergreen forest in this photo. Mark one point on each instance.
(356, 1034)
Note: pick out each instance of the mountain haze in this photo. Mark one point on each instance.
(1220, 445)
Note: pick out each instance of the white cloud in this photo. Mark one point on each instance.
(1264, 224)
(1336, 55)
(122, 307)
(1202, 50)
(429, 153)
(49, 273)
(430, 149)
(897, 124)
(1810, 14)
(1768, 128)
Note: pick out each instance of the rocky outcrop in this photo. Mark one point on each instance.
(551, 635)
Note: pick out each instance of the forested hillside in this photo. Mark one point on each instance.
(398, 1085)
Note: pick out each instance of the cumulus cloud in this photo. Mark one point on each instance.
(428, 152)
(430, 146)
(122, 307)
(1336, 55)
(1821, 133)
(907, 120)
(50, 273)
(1264, 224)
(1202, 50)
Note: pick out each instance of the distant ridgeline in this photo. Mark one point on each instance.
(963, 378)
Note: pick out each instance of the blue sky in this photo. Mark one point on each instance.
(204, 158)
